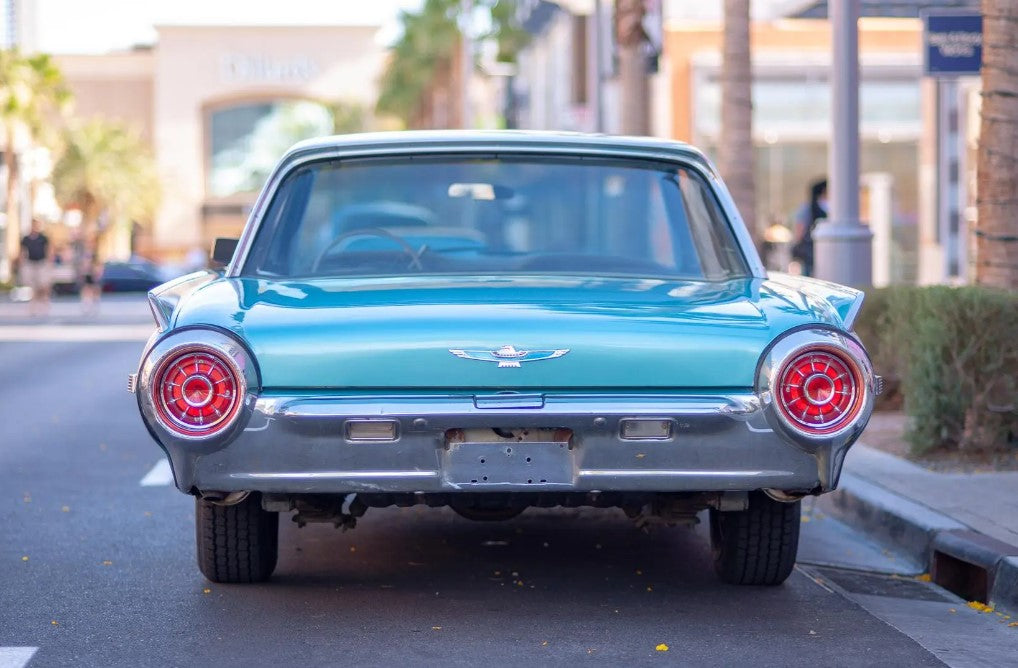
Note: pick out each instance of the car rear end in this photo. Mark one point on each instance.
(518, 347)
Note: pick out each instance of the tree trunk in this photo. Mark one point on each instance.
(736, 159)
(13, 232)
(996, 233)
(634, 86)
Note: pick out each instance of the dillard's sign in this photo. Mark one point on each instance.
(247, 68)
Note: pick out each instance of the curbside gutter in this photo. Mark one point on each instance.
(970, 564)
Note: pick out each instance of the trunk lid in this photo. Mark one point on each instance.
(398, 333)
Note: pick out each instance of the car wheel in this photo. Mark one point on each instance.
(756, 546)
(236, 543)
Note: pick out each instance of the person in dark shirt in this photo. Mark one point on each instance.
(805, 222)
(36, 257)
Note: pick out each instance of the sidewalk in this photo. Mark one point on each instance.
(115, 309)
(962, 528)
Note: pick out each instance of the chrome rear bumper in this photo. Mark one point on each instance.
(300, 444)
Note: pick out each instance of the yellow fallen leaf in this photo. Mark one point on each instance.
(436, 628)
(54, 623)
(650, 589)
(662, 648)
(981, 607)
(24, 558)
(1012, 624)
(805, 518)
(206, 591)
(544, 644)
(65, 509)
(640, 456)
(107, 562)
(925, 577)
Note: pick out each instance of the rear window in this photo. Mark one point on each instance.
(494, 216)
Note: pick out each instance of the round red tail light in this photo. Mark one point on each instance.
(819, 391)
(196, 392)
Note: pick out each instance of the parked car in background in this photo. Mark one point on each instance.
(562, 320)
(63, 278)
(134, 275)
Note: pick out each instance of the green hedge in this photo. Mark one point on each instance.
(951, 354)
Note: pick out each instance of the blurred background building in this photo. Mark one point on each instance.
(218, 104)
(566, 80)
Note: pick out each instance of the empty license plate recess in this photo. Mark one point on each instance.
(499, 457)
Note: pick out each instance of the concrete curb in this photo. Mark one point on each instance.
(966, 562)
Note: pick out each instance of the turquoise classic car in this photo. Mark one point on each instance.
(492, 321)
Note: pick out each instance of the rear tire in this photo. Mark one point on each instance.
(756, 546)
(237, 543)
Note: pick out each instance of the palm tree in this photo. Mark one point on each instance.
(997, 161)
(32, 95)
(736, 159)
(418, 84)
(634, 86)
(348, 117)
(106, 169)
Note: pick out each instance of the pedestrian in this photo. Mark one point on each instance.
(90, 276)
(36, 258)
(806, 219)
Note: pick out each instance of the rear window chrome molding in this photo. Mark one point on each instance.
(232, 352)
(684, 157)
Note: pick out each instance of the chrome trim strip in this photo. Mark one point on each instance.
(337, 475)
(676, 473)
(739, 407)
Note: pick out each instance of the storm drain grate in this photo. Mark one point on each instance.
(872, 584)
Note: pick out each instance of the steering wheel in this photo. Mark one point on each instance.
(415, 255)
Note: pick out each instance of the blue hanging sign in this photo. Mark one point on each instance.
(952, 43)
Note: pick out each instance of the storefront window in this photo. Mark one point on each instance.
(791, 127)
(246, 140)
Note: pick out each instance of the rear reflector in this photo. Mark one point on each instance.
(372, 430)
(641, 429)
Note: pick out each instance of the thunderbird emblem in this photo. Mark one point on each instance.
(508, 356)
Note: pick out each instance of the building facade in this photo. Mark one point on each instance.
(219, 105)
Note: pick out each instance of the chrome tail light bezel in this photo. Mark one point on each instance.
(222, 347)
(792, 346)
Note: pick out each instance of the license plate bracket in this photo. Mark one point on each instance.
(487, 464)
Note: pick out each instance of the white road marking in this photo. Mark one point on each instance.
(16, 657)
(11, 333)
(160, 475)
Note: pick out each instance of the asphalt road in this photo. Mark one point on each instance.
(97, 569)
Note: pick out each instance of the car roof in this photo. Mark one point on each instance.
(522, 141)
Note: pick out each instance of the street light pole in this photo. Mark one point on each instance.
(842, 244)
